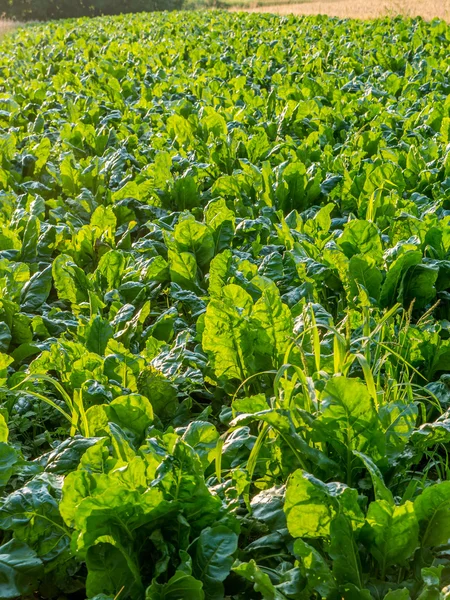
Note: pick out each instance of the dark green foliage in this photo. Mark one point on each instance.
(43, 10)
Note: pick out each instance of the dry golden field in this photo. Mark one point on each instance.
(360, 9)
(5, 26)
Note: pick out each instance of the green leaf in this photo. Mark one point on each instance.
(221, 220)
(5, 337)
(20, 569)
(161, 392)
(219, 271)
(132, 411)
(109, 572)
(381, 491)
(402, 594)
(157, 269)
(179, 587)
(5, 361)
(214, 122)
(70, 281)
(349, 421)
(185, 191)
(228, 337)
(391, 285)
(30, 240)
(183, 481)
(260, 580)
(8, 460)
(4, 431)
(417, 286)
(311, 505)
(36, 291)
(432, 583)
(395, 532)
(361, 237)
(111, 267)
(385, 176)
(362, 272)
(202, 437)
(398, 420)
(213, 558)
(432, 509)
(103, 224)
(318, 573)
(250, 405)
(98, 333)
(344, 552)
(196, 238)
(183, 269)
(274, 325)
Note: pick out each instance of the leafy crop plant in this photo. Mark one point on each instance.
(224, 309)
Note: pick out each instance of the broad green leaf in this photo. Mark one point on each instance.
(399, 420)
(349, 420)
(8, 461)
(179, 587)
(219, 273)
(361, 237)
(311, 505)
(222, 221)
(70, 281)
(395, 532)
(30, 240)
(274, 325)
(432, 509)
(161, 393)
(98, 333)
(20, 569)
(400, 594)
(228, 337)
(183, 269)
(103, 223)
(318, 573)
(344, 552)
(392, 283)
(250, 405)
(5, 361)
(132, 411)
(362, 272)
(214, 551)
(196, 238)
(36, 291)
(32, 513)
(385, 176)
(260, 580)
(157, 269)
(417, 286)
(111, 267)
(202, 437)
(432, 587)
(4, 431)
(43, 151)
(109, 572)
(214, 122)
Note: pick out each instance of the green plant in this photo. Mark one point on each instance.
(224, 309)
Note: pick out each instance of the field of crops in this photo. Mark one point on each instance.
(224, 309)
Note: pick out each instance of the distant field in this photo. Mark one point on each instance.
(5, 26)
(360, 9)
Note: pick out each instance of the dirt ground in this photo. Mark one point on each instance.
(361, 9)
